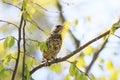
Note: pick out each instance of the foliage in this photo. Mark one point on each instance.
(34, 15)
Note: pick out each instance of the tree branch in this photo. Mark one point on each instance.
(96, 54)
(18, 44)
(11, 4)
(24, 49)
(72, 53)
(9, 23)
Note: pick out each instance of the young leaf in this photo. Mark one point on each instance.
(109, 65)
(26, 73)
(80, 62)
(56, 67)
(7, 59)
(72, 70)
(11, 41)
(89, 50)
(5, 43)
(43, 46)
(67, 77)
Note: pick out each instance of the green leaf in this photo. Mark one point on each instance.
(67, 77)
(89, 49)
(114, 75)
(26, 73)
(43, 46)
(24, 5)
(56, 67)
(92, 77)
(78, 76)
(72, 69)
(9, 42)
(7, 59)
(5, 43)
(36, 45)
(1, 66)
(114, 28)
(81, 76)
(3, 74)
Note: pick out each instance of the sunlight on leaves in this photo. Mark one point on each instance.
(9, 42)
(80, 76)
(92, 77)
(72, 69)
(36, 45)
(43, 46)
(67, 77)
(56, 67)
(102, 78)
(114, 74)
(26, 73)
(66, 27)
(114, 27)
(3, 74)
(88, 50)
(7, 59)
(109, 65)
(80, 62)
(88, 18)
(71, 59)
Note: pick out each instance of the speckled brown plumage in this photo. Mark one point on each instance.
(53, 42)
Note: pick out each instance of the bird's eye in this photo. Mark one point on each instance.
(57, 26)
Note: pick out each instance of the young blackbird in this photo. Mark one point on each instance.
(53, 43)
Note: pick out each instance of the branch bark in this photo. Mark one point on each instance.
(18, 44)
(24, 49)
(9, 23)
(72, 53)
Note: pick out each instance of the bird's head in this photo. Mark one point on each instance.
(57, 29)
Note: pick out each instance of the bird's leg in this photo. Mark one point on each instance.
(46, 62)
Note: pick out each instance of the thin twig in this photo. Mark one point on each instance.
(19, 48)
(24, 49)
(9, 23)
(36, 25)
(116, 35)
(2, 39)
(45, 8)
(72, 53)
(11, 4)
(96, 54)
(36, 41)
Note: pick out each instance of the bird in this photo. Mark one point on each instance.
(53, 43)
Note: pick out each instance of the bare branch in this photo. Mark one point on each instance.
(72, 53)
(24, 49)
(11, 4)
(96, 54)
(45, 8)
(9, 23)
(116, 35)
(35, 24)
(18, 45)
(2, 39)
